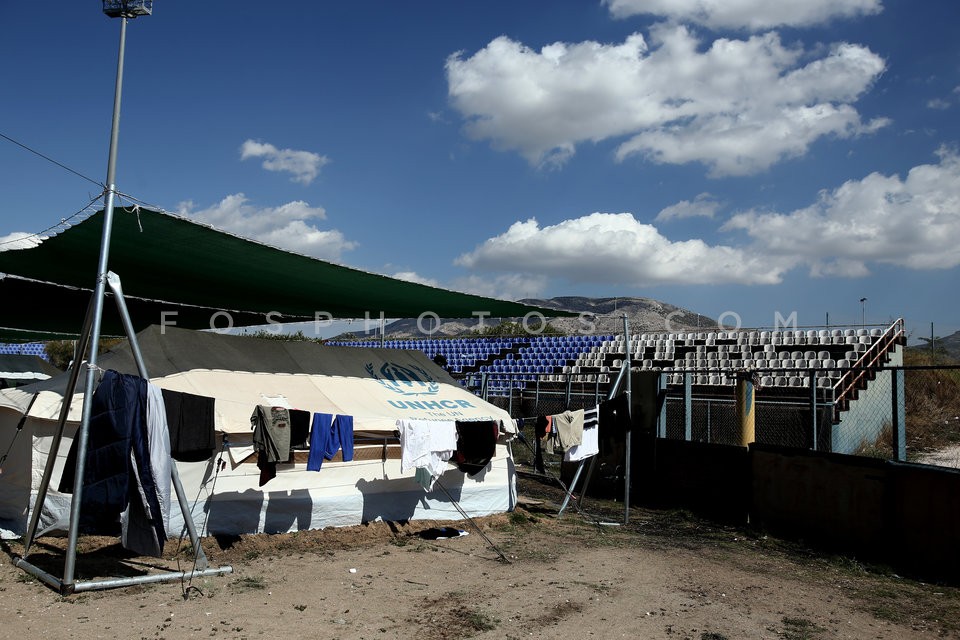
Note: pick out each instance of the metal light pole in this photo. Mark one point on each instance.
(90, 335)
(115, 9)
(863, 312)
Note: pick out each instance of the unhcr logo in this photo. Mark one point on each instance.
(407, 381)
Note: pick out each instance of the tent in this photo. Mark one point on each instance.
(17, 370)
(376, 386)
(189, 275)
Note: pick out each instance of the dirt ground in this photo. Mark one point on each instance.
(664, 575)
(946, 457)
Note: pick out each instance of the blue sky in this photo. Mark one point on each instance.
(751, 157)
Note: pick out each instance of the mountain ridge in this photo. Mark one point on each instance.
(598, 316)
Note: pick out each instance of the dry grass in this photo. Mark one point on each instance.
(932, 405)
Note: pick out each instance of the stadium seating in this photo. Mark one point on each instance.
(784, 359)
(25, 348)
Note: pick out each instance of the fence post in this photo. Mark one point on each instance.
(745, 408)
(709, 425)
(813, 406)
(899, 415)
(687, 406)
(662, 396)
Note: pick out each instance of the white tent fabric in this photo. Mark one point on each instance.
(373, 405)
(231, 502)
(226, 498)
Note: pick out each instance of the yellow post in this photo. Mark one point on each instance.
(745, 408)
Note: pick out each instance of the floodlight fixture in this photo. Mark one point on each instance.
(127, 8)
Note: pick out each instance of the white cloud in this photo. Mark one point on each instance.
(746, 14)
(738, 106)
(20, 240)
(617, 249)
(289, 226)
(703, 206)
(912, 222)
(509, 286)
(413, 276)
(304, 166)
(839, 267)
(938, 103)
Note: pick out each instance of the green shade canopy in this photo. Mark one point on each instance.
(174, 261)
(36, 311)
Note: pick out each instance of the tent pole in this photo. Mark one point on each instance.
(113, 583)
(586, 480)
(113, 280)
(81, 348)
(47, 578)
(573, 485)
(566, 490)
(20, 424)
(593, 459)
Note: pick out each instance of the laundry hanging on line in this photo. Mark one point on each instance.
(271, 439)
(590, 438)
(126, 472)
(328, 435)
(426, 446)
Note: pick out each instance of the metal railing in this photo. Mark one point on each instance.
(854, 379)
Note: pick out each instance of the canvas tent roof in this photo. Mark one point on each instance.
(162, 257)
(376, 386)
(25, 368)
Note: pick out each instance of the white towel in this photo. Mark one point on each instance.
(427, 444)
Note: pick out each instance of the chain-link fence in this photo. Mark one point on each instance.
(526, 395)
(785, 423)
(932, 407)
(908, 413)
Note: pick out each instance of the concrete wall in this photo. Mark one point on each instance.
(711, 479)
(900, 514)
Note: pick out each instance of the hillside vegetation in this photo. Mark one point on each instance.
(932, 402)
(599, 316)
